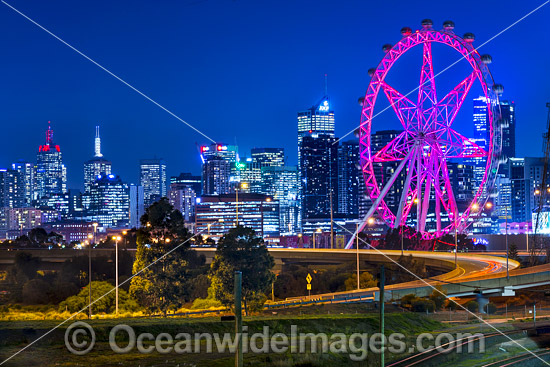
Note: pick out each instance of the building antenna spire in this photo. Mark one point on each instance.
(97, 144)
(326, 86)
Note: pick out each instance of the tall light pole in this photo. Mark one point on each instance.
(116, 238)
(357, 251)
(506, 221)
(456, 247)
(90, 237)
(402, 240)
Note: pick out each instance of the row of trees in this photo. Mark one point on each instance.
(168, 273)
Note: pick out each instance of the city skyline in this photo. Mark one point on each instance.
(133, 129)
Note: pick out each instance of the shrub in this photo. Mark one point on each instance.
(423, 305)
(472, 306)
(490, 308)
(35, 291)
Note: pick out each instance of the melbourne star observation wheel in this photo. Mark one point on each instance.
(419, 181)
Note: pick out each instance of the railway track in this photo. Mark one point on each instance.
(422, 358)
(522, 359)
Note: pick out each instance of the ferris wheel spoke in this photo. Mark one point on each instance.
(459, 146)
(450, 104)
(395, 150)
(427, 192)
(399, 218)
(427, 95)
(403, 107)
(451, 207)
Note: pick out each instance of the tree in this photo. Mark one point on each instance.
(38, 235)
(513, 253)
(106, 302)
(365, 281)
(472, 306)
(423, 305)
(241, 250)
(161, 245)
(438, 297)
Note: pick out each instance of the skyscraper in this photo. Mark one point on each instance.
(349, 179)
(251, 169)
(110, 202)
(183, 198)
(27, 170)
(521, 190)
(153, 180)
(51, 174)
(12, 189)
(188, 179)
(508, 113)
(97, 165)
(315, 122)
(481, 138)
(282, 184)
(136, 205)
(219, 168)
(319, 175)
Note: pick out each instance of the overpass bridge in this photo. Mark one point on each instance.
(476, 273)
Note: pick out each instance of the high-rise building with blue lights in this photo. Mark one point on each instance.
(282, 184)
(319, 176)
(109, 202)
(153, 180)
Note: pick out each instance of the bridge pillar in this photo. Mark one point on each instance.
(482, 301)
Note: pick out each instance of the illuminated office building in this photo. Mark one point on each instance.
(28, 172)
(183, 198)
(216, 215)
(12, 189)
(109, 202)
(188, 179)
(219, 168)
(153, 180)
(319, 176)
(282, 184)
(137, 206)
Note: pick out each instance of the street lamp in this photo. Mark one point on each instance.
(116, 239)
(90, 237)
(124, 233)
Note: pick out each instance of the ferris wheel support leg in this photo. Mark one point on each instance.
(379, 199)
(419, 189)
(405, 193)
(453, 208)
(425, 204)
(437, 207)
(427, 192)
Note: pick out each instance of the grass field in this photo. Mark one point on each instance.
(51, 350)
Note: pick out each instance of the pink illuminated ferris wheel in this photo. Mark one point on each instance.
(419, 182)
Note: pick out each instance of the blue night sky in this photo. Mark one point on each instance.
(238, 70)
